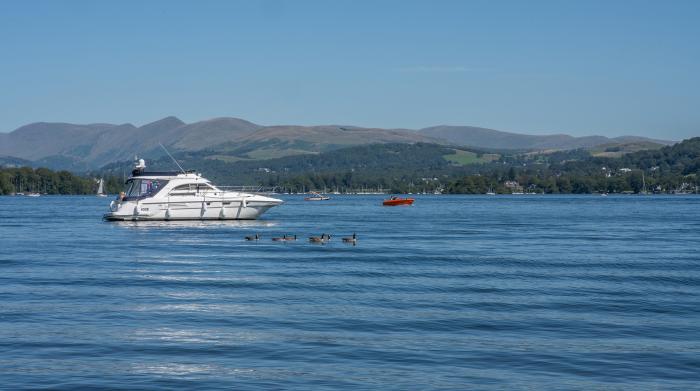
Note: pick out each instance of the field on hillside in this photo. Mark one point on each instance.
(617, 150)
(467, 157)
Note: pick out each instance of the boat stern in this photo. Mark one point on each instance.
(122, 210)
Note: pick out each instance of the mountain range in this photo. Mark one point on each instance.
(82, 147)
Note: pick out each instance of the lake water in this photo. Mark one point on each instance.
(455, 292)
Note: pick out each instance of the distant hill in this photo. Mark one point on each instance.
(490, 138)
(84, 147)
(11, 161)
(43, 139)
(278, 141)
(79, 147)
(60, 145)
(388, 160)
(406, 167)
(619, 149)
(416, 167)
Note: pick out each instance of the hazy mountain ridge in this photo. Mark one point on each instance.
(491, 138)
(76, 147)
(81, 147)
(42, 139)
(11, 161)
(98, 144)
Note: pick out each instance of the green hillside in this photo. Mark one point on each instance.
(419, 167)
(465, 158)
(428, 167)
(618, 150)
(390, 166)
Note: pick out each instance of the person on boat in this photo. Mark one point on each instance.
(394, 197)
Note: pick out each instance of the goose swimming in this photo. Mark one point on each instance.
(350, 239)
(322, 239)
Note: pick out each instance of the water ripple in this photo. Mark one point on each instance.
(547, 292)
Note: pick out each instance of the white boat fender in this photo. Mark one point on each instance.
(204, 208)
(244, 203)
(222, 213)
(137, 210)
(168, 214)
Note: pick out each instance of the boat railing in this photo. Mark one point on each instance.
(251, 189)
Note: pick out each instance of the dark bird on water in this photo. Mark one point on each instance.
(256, 237)
(350, 239)
(320, 239)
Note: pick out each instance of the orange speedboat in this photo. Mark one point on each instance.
(394, 201)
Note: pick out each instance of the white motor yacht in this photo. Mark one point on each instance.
(183, 195)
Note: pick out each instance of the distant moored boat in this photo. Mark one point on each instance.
(317, 197)
(101, 188)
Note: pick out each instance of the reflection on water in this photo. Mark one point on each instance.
(193, 336)
(175, 369)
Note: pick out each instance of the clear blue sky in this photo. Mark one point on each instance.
(579, 67)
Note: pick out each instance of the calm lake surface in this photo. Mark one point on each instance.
(455, 292)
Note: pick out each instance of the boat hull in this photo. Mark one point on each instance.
(397, 202)
(163, 211)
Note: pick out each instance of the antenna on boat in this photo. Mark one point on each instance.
(171, 156)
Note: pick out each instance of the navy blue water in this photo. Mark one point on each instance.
(455, 292)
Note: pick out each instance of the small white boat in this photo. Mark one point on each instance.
(33, 195)
(183, 195)
(317, 197)
(101, 188)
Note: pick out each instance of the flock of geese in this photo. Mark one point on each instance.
(324, 238)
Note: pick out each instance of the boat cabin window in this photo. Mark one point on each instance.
(191, 189)
(141, 188)
(203, 187)
(184, 189)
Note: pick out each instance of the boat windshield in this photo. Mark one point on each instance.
(142, 188)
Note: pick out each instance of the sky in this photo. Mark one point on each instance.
(538, 67)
